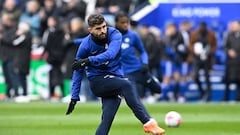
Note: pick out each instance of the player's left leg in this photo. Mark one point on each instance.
(110, 106)
(147, 80)
(152, 83)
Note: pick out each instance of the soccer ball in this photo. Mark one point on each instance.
(173, 119)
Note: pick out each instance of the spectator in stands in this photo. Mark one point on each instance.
(73, 8)
(49, 9)
(185, 29)
(202, 47)
(177, 54)
(11, 7)
(6, 55)
(116, 6)
(232, 74)
(53, 46)
(102, 6)
(31, 16)
(151, 37)
(21, 59)
(112, 7)
(1, 4)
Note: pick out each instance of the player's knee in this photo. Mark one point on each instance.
(126, 84)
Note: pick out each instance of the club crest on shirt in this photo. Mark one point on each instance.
(106, 46)
(125, 43)
(126, 40)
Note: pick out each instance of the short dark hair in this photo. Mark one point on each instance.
(95, 19)
(120, 15)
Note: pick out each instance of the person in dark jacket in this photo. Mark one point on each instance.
(11, 7)
(21, 59)
(9, 28)
(53, 46)
(202, 47)
(174, 65)
(232, 74)
(151, 37)
(73, 8)
(49, 9)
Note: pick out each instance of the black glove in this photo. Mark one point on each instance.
(71, 106)
(77, 64)
(145, 68)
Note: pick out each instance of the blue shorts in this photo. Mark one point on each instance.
(169, 67)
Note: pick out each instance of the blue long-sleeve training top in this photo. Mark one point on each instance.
(131, 43)
(104, 59)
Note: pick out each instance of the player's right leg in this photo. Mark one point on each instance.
(150, 125)
(110, 106)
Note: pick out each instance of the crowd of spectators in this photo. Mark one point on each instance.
(51, 24)
(175, 56)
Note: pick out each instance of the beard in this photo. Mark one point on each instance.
(100, 39)
(102, 36)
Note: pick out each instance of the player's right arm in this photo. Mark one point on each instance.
(78, 74)
(77, 78)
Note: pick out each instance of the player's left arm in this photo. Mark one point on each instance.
(143, 53)
(78, 41)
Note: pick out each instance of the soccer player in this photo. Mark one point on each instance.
(99, 54)
(135, 68)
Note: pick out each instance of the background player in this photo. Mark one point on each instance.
(135, 67)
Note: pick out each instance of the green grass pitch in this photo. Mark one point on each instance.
(45, 118)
